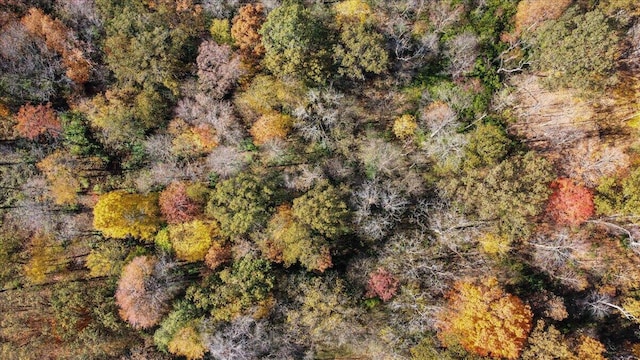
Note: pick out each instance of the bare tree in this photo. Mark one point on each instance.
(462, 51)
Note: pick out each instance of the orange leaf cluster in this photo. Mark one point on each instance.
(34, 121)
(60, 39)
(245, 33)
(485, 320)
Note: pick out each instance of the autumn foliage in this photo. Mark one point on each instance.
(382, 284)
(59, 38)
(485, 320)
(570, 204)
(175, 204)
(141, 295)
(270, 127)
(120, 215)
(532, 13)
(245, 33)
(35, 121)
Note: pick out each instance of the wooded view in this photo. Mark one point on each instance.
(315, 179)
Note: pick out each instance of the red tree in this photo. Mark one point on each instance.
(382, 284)
(569, 204)
(176, 206)
(34, 121)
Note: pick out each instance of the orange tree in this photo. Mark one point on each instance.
(485, 320)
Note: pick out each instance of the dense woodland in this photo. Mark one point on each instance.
(356, 179)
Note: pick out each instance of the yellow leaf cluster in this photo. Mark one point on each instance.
(119, 215)
(493, 244)
(188, 343)
(192, 240)
(405, 126)
(350, 10)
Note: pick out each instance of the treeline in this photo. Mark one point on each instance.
(363, 179)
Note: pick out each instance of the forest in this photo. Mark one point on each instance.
(320, 179)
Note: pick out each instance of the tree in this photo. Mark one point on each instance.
(187, 342)
(485, 320)
(36, 121)
(176, 206)
(578, 51)
(360, 51)
(245, 32)
(619, 196)
(509, 193)
(29, 71)
(120, 215)
(218, 69)
(405, 126)
(590, 348)
(270, 127)
(240, 204)
(76, 135)
(289, 241)
(569, 203)
(488, 145)
(145, 289)
(59, 38)
(323, 210)
(532, 14)
(382, 284)
(191, 241)
(233, 291)
(546, 344)
(296, 43)
(47, 256)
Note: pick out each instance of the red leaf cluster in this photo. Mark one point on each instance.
(569, 204)
(176, 206)
(382, 284)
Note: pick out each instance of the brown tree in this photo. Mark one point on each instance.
(145, 289)
(218, 69)
(382, 284)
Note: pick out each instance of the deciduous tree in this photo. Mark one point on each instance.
(119, 214)
(569, 203)
(240, 204)
(175, 204)
(296, 43)
(144, 290)
(35, 121)
(485, 320)
(245, 32)
(382, 284)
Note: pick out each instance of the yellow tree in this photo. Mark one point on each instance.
(271, 126)
(119, 214)
(485, 320)
(191, 241)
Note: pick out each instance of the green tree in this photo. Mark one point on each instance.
(619, 196)
(578, 50)
(296, 43)
(240, 204)
(233, 291)
(323, 210)
(76, 134)
(509, 193)
(289, 241)
(360, 51)
(487, 146)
